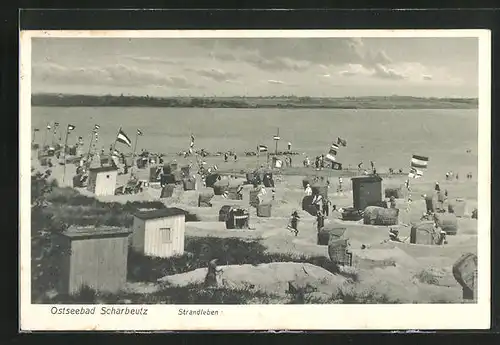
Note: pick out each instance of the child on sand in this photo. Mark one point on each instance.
(294, 220)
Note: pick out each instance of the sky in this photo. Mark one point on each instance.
(316, 67)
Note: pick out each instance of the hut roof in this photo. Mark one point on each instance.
(103, 169)
(88, 232)
(161, 213)
(367, 178)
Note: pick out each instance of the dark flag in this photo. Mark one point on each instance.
(341, 142)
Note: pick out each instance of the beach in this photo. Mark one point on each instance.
(387, 137)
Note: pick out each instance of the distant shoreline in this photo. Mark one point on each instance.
(281, 102)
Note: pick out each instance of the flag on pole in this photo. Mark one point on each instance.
(139, 132)
(418, 165)
(35, 130)
(276, 137)
(341, 142)
(419, 162)
(123, 138)
(415, 173)
(48, 126)
(56, 124)
(96, 127)
(262, 148)
(332, 153)
(70, 128)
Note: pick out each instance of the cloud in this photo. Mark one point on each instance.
(116, 75)
(301, 54)
(427, 77)
(277, 82)
(381, 71)
(216, 74)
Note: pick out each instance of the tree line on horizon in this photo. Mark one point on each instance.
(384, 102)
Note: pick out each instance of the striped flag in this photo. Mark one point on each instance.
(96, 127)
(276, 137)
(331, 157)
(418, 165)
(123, 138)
(48, 126)
(56, 124)
(419, 162)
(262, 148)
(415, 173)
(332, 153)
(139, 132)
(70, 128)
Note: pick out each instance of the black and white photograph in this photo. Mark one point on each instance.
(211, 174)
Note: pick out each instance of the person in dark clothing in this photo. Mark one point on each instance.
(320, 220)
(436, 187)
(235, 157)
(294, 220)
(225, 157)
(326, 208)
(211, 277)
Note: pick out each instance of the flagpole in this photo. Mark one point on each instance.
(90, 144)
(45, 138)
(116, 137)
(276, 148)
(64, 155)
(133, 153)
(54, 134)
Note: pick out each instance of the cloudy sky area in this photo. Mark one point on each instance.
(323, 67)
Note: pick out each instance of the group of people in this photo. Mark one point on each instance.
(450, 175)
(321, 204)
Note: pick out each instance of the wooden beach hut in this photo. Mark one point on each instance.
(102, 180)
(93, 257)
(159, 233)
(366, 191)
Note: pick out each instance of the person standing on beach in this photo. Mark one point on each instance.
(326, 206)
(320, 220)
(340, 184)
(235, 157)
(308, 190)
(225, 157)
(294, 222)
